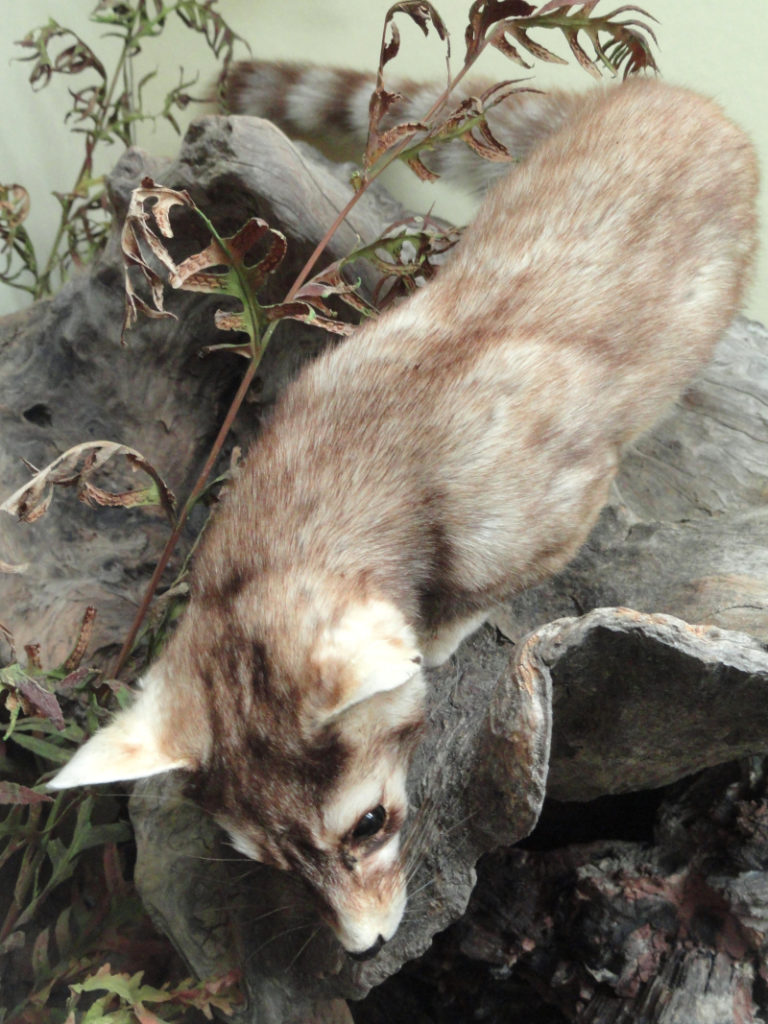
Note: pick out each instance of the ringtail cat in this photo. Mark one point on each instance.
(454, 451)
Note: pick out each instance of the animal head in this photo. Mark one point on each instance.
(299, 749)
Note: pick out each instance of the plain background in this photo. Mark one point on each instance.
(716, 48)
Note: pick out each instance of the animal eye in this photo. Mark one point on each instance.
(370, 823)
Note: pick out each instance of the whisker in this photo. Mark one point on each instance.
(421, 888)
(302, 948)
(277, 936)
(202, 858)
(260, 917)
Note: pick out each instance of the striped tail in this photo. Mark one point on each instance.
(329, 106)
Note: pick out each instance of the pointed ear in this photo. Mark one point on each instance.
(133, 746)
(370, 650)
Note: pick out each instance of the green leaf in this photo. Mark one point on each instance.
(44, 749)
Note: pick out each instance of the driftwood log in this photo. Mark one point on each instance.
(639, 896)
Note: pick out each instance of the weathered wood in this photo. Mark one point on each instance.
(673, 930)
(640, 701)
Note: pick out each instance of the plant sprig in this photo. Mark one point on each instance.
(104, 112)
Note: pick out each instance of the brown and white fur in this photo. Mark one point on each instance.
(455, 451)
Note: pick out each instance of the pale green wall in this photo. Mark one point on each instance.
(714, 47)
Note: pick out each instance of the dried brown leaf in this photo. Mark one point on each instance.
(420, 169)
(582, 57)
(190, 275)
(535, 49)
(487, 146)
(330, 281)
(220, 268)
(72, 469)
(13, 793)
(498, 40)
(308, 314)
(139, 236)
(390, 47)
(421, 12)
(483, 14)
(380, 104)
(14, 207)
(234, 249)
(226, 320)
(382, 100)
(83, 639)
(73, 679)
(40, 701)
(165, 199)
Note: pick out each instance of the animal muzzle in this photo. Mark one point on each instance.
(367, 954)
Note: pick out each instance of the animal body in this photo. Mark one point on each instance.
(448, 454)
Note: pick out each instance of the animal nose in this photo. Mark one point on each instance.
(371, 951)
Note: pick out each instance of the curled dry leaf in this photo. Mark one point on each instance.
(496, 22)
(13, 793)
(420, 11)
(467, 122)
(536, 49)
(310, 313)
(484, 14)
(71, 59)
(382, 100)
(74, 469)
(309, 304)
(498, 39)
(139, 239)
(407, 255)
(83, 639)
(232, 252)
(39, 701)
(32, 652)
(379, 143)
(222, 267)
(14, 208)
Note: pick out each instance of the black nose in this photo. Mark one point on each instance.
(372, 951)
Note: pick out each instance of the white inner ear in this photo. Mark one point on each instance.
(131, 747)
(371, 650)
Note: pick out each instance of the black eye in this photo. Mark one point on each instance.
(370, 823)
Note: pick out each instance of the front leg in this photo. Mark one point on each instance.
(439, 644)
